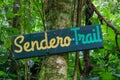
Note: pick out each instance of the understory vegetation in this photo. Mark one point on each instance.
(27, 16)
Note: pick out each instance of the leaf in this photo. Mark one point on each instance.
(7, 43)
(10, 15)
(2, 74)
(118, 0)
(117, 75)
(106, 76)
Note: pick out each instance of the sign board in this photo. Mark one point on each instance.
(57, 41)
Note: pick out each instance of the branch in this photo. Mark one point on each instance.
(76, 66)
(107, 55)
(116, 40)
(88, 67)
(110, 25)
(89, 3)
(78, 20)
(41, 13)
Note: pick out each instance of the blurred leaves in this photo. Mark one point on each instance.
(31, 21)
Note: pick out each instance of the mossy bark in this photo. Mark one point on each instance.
(58, 15)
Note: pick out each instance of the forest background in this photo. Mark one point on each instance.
(31, 16)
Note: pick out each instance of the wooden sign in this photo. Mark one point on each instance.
(57, 41)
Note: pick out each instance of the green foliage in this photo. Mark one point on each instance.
(31, 21)
(106, 76)
(2, 74)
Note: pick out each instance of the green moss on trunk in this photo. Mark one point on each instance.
(58, 15)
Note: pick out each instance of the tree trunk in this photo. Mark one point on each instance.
(16, 21)
(58, 15)
(16, 24)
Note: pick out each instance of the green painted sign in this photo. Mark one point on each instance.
(57, 41)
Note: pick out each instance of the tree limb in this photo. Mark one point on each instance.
(89, 3)
(116, 39)
(78, 23)
(110, 25)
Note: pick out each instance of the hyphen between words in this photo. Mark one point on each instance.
(57, 41)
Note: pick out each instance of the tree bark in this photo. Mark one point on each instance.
(58, 16)
(16, 24)
(16, 21)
